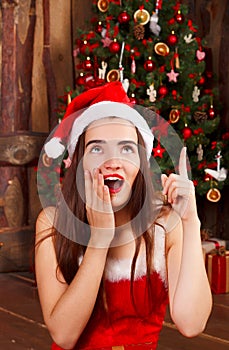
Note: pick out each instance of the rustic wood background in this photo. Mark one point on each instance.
(36, 64)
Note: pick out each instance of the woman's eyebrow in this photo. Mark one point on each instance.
(124, 142)
(95, 141)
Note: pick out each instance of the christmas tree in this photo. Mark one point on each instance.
(153, 48)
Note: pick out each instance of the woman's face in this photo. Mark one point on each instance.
(111, 145)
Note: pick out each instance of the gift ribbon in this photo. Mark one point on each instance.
(210, 275)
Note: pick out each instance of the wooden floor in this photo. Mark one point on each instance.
(22, 327)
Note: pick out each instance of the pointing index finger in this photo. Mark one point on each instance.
(183, 163)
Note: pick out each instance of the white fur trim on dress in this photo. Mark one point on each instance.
(117, 270)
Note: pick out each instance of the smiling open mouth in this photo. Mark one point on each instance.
(114, 183)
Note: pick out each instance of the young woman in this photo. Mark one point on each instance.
(109, 258)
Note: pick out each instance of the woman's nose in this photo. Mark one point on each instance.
(112, 164)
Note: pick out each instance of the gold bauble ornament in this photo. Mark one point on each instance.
(113, 75)
(161, 49)
(213, 195)
(46, 160)
(142, 16)
(103, 5)
(174, 115)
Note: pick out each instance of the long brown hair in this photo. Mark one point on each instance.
(68, 252)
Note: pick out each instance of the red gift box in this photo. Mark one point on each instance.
(217, 266)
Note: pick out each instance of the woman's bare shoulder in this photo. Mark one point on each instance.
(45, 219)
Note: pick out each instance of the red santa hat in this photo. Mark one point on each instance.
(94, 104)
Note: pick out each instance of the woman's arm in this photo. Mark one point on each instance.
(189, 291)
(66, 308)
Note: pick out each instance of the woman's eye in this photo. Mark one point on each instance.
(96, 149)
(127, 149)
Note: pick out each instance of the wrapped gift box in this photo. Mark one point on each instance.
(212, 243)
(217, 266)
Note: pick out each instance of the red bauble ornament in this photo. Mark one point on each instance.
(80, 80)
(163, 90)
(172, 39)
(211, 112)
(201, 81)
(114, 47)
(207, 177)
(133, 99)
(179, 18)
(87, 64)
(123, 17)
(99, 28)
(149, 65)
(187, 132)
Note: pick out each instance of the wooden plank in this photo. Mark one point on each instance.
(16, 252)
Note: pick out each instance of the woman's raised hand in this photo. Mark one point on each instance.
(100, 214)
(180, 190)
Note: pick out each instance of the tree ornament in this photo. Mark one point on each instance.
(207, 177)
(201, 81)
(123, 17)
(196, 94)
(133, 99)
(99, 28)
(172, 39)
(163, 90)
(158, 151)
(211, 112)
(154, 27)
(103, 5)
(102, 70)
(152, 93)
(200, 55)
(177, 61)
(200, 116)
(161, 49)
(188, 38)
(133, 66)
(149, 65)
(126, 84)
(174, 115)
(187, 132)
(142, 16)
(172, 76)
(114, 46)
(213, 195)
(113, 75)
(139, 31)
(179, 18)
(46, 160)
(221, 173)
(87, 64)
(200, 152)
(106, 41)
(80, 79)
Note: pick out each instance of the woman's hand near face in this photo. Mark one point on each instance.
(180, 190)
(100, 214)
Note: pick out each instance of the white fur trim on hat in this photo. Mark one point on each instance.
(54, 148)
(105, 109)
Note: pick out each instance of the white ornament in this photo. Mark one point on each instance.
(219, 174)
(154, 27)
(195, 94)
(152, 93)
(126, 84)
(102, 71)
(200, 152)
(188, 38)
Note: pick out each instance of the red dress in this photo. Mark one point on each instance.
(123, 325)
